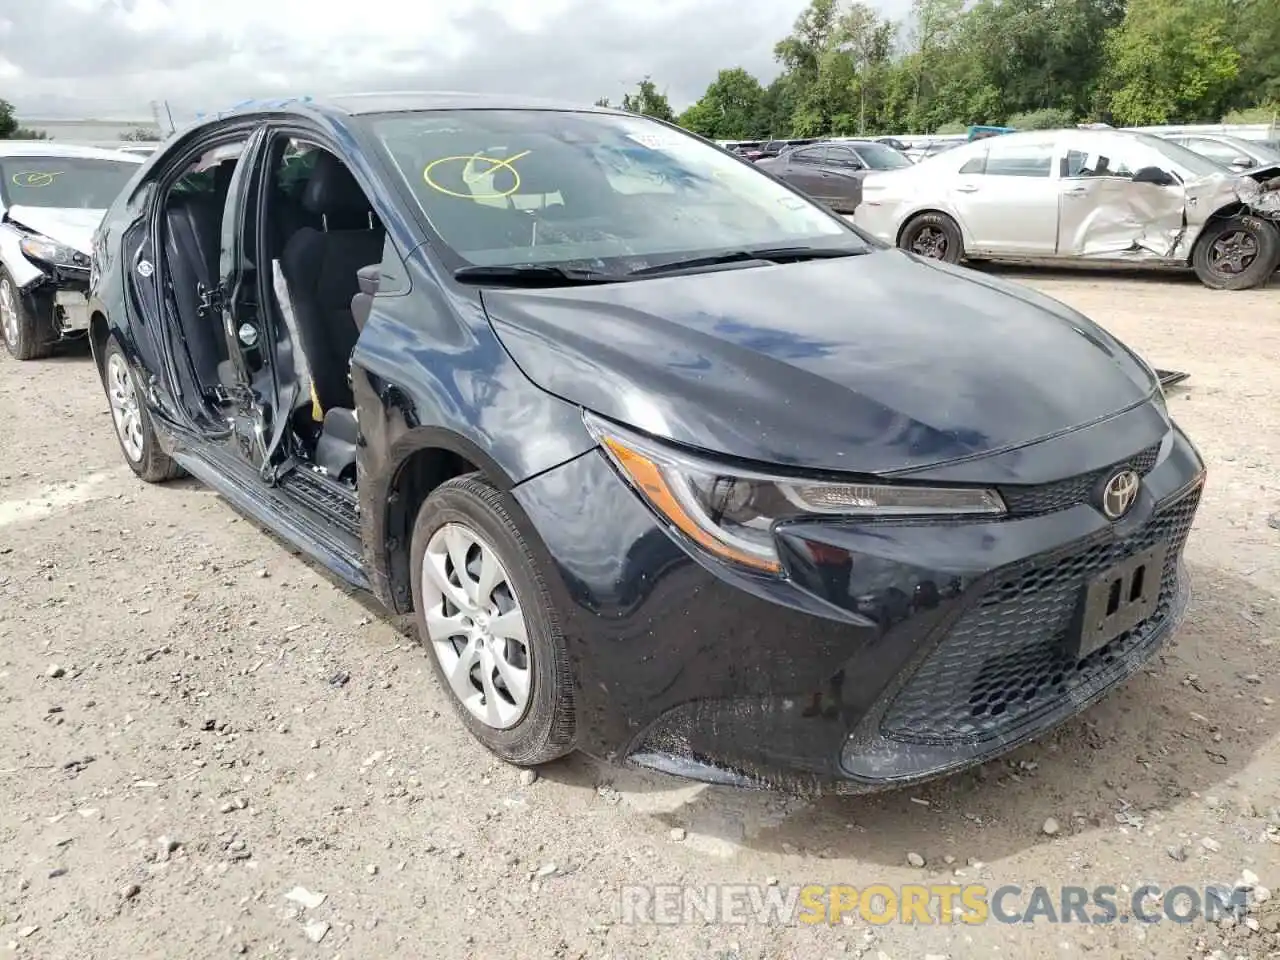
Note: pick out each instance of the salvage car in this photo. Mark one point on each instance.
(832, 173)
(51, 198)
(667, 463)
(1100, 196)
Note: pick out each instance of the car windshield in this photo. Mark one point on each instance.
(1185, 161)
(610, 192)
(877, 156)
(69, 182)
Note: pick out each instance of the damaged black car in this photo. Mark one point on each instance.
(52, 196)
(667, 463)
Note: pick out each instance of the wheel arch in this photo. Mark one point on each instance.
(915, 214)
(421, 460)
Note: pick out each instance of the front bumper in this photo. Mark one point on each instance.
(893, 653)
(60, 299)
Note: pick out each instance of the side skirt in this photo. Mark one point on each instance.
(327, 537)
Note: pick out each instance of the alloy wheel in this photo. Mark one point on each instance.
(476, 627)
(930, 242)
(125, 409)
(8, 312)
(1232, 253)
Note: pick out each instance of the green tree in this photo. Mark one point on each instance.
(1172, 60)
(867, 40)
(647, 100)
(731, 109)
(8, 122)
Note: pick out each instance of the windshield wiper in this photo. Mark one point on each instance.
(769, 254)
(532, 275)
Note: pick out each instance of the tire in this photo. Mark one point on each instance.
(134, 430)
(1236, 253)
(934, 236)
(18, 328)
(468, 516)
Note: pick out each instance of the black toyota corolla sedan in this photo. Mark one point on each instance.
(668, 463)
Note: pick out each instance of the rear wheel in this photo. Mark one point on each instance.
(21, 331)
(1237, 253)
(134, 430)
(934, 236)
(485, 613)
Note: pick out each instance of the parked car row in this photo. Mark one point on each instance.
(668, 463)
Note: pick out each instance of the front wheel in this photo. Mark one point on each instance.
(1237, 253)
(934, 236)
(20, 330)
(134, 430)
(484, 611)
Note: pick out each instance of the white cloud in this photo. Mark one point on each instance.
(107, 57)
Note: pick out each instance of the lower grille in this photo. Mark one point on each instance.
(1006, 659)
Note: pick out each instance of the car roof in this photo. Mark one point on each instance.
(49, 148)
(358, 104)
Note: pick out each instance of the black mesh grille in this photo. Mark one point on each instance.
(1061, 494)
(1006, 659)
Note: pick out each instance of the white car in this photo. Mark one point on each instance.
(1102, 196)
(52, 198)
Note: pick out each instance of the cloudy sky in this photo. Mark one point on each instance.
(110, 58)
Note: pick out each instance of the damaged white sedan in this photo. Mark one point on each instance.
(1097, 196)
(52, 198)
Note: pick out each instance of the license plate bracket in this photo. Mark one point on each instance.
(1118, 600)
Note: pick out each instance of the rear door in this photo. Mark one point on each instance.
(1008, 200)
(804, 170)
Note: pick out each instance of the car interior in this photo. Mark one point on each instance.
(325, 246)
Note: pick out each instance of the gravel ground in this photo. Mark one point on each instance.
(197, 723)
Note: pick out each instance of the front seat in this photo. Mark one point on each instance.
(320, 266)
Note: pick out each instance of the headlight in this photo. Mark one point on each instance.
(44, 250)
(732, 512)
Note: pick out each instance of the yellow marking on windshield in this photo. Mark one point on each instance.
(496, 164)
(34, 178)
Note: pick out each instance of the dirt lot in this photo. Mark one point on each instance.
(194, 722)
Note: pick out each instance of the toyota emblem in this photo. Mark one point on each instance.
(1119, 494)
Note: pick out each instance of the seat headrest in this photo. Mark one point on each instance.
(332, 190)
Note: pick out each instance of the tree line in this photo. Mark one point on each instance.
(1032, 64)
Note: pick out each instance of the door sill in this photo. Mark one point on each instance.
(329, 541)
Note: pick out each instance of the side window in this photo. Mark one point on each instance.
(1019, 159)
(843, 157)
(976, 164)
(1214, 150)
(296, 163)
(809, 155)
(209, 175)
(1102, 160)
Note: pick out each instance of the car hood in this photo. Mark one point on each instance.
(74, 227)
(873, 364)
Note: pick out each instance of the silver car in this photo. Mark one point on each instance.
(1235, 152)
(1101, 196)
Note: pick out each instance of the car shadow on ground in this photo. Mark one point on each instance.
(1019, 271)
(1189, 722)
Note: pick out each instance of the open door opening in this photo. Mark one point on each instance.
(191, 225)
(325, 247)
